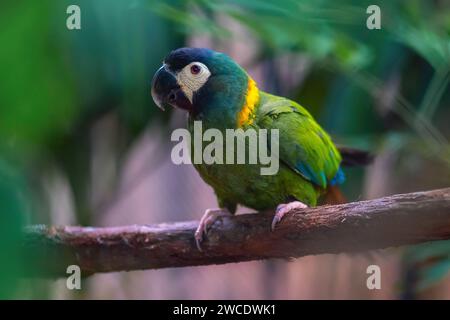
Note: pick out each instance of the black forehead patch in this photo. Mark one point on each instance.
(179, 58)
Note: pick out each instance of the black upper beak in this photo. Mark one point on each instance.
(167, 91)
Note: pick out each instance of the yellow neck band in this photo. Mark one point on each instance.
(246, 115)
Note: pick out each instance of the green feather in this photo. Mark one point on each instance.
(304, 146)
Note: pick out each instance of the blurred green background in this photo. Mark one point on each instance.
(74, 104)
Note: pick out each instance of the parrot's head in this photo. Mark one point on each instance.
(200, 81)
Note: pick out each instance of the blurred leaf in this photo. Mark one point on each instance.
(432, 261)
(432, 275)
(36, 94)
(428, 251)
(13, 205)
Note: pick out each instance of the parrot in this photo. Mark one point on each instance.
(217, 91)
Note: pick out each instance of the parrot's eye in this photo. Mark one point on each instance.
(195, 69)
(192, 77)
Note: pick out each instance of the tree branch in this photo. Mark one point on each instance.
(374, 224)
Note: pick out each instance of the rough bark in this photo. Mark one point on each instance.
(353, 227)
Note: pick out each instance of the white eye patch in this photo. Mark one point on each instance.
(192, 77)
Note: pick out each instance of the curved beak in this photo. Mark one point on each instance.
(166, 90)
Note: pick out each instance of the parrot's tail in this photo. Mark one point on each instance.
(350, 158)
(354, 157)
(334, 195)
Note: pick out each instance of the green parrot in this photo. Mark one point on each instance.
(215, 90)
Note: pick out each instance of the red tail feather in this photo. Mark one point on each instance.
(334, 196)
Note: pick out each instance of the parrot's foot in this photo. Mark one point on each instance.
(284, 208)
(209, 217)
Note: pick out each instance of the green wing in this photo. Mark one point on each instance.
(304, 146)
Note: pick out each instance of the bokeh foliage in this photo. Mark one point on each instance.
(13, 208)
(57, 83)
